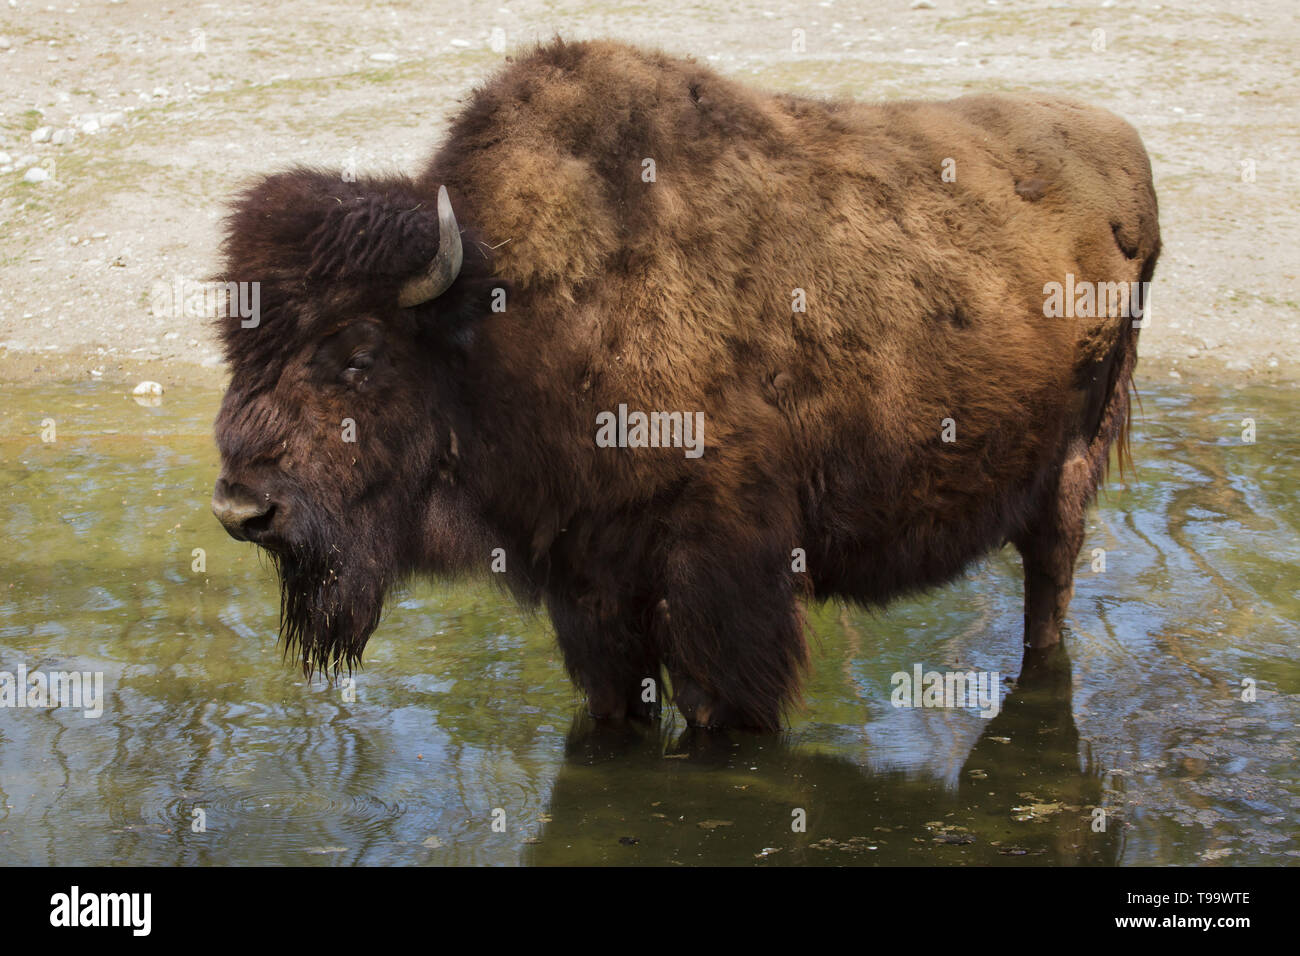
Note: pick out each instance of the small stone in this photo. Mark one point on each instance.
(460, 43)
(90, 126)
(6, 43)
(62, 136)
(5, 159)
(41, 134)
(384, 57)
(432, 843)
(147, 388)
(36, 175)
(160, 91)
(922, 5)
(115, 118)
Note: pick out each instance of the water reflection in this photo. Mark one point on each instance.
(459, 742)
(634, 794)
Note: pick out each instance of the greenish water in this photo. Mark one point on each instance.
(463, 707)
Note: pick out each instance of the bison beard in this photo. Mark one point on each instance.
(328, 608)
(851, 296)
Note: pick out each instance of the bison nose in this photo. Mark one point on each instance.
(245, 517)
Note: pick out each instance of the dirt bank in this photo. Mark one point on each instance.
(144, 116)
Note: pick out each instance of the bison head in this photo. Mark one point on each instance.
(338, 432)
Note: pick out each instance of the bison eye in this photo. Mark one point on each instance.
(360, 362)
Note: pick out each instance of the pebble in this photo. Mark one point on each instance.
(36, 175)
(5, 159)
(90, 126)
(116, 118)
(41, 134)
(147, 388)
(5, 43)
(384, 57)
(922, 5)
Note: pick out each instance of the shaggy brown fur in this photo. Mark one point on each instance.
(823, 429)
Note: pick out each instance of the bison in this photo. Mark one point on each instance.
(493, 366)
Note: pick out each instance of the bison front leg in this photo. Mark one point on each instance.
(734, 646)
(609, 657)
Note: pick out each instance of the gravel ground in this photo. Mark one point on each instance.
(125, 125)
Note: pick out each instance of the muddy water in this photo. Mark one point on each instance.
(463, 742)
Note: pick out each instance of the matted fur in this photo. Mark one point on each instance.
(476, 428)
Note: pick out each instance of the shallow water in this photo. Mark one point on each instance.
(463, 717)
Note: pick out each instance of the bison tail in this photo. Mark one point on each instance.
(1113, 430)
(1116, 418)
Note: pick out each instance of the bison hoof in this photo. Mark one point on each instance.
(701, 709)
(608, 705)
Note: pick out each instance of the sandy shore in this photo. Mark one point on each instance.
(144, 117)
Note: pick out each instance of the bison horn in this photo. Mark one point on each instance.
(445, 266)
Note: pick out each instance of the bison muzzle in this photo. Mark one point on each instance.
(856, 307)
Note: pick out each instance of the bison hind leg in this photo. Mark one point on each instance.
(1051, 541)
(1050, 547)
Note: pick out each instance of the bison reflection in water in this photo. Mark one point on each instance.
(849, 298)
(1027, 789)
